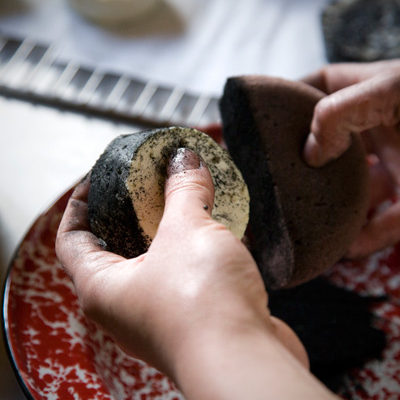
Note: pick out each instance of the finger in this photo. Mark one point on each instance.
(189, 190)
(381, 231)
(386, 144)
(354, 109)
(73, 220)
(334, 77)
(77, 248)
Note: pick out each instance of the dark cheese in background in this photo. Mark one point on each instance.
(361, 30)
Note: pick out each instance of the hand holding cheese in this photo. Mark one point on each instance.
(193, 305)
(126, 197)
(362, 98)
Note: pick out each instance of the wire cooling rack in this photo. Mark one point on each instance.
(31, 70)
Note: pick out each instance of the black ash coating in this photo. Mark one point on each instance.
(268, 235)
(302, 219)
(109, 202)
(361, 30)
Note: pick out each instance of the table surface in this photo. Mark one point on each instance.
(195, 45)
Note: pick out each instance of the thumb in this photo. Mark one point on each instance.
(189, 189)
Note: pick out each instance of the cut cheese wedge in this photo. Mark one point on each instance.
(126, 198)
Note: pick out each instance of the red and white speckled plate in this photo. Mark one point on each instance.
(58, 354)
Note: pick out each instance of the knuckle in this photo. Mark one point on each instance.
(388, 95)
(325, 113)
(391, 115)
(194, 185)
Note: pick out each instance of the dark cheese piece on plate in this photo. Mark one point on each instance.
(335, 325)
(302, 219)
(361, 30)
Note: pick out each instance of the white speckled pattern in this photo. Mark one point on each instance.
(58, 352)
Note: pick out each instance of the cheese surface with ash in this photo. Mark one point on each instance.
(126, 197)
(302, 219)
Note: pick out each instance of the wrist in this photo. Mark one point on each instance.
(209, 351)
(237, 362)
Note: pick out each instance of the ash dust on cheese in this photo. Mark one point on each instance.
(126, 198)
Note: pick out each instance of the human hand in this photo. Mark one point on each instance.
(194, 305)
(362, 99)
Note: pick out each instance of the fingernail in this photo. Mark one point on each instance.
(312, 152)
(183, 160)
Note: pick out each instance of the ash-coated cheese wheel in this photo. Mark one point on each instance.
(302, 219)
(126, 197)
